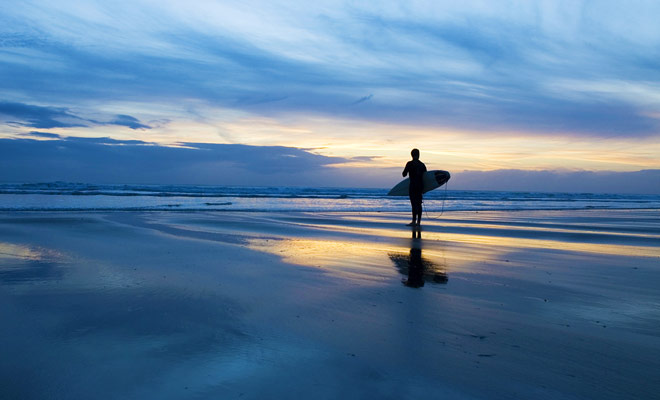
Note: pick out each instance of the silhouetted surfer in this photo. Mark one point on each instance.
(416, 170)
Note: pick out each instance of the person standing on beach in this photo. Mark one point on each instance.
(416, 170)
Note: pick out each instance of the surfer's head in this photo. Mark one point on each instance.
(415, 154)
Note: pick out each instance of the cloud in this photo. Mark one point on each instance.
(127, 120)
(58, 117)
(363, 99)
(105, 141)
(471, 66)
(639, 182)
(47, 135)
(364, 158)
(40, 117)
(106, 160)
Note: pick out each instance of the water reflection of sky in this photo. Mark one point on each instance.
(150, 311)
(21, 264)
(359, 259)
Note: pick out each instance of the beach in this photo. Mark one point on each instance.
(500, 304)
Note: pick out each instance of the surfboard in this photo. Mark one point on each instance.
(432, 180)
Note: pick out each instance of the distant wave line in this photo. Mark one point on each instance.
(334, 196)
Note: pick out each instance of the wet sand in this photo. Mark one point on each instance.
(488, 305)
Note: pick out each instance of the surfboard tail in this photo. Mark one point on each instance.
(398, 191)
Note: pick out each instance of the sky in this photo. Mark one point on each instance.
(332, 93)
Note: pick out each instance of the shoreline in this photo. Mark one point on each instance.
(174, 209)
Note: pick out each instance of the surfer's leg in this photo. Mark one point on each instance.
(413, 209)
(416, 203)
(418, 212)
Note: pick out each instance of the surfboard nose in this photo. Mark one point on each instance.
(442, 177)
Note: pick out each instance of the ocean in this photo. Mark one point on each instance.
(65, 196)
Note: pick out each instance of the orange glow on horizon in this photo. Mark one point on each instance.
(380, 145)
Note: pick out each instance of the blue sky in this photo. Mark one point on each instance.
(476, 85)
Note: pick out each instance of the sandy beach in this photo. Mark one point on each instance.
(475, 305)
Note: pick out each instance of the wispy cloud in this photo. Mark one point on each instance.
(472, 66)
(363, 99)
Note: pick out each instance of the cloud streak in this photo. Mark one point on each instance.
(46, 135)
(40, 117)
(33, 116)
(363, 99)
(127, 120)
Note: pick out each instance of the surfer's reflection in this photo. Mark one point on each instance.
(417, 268)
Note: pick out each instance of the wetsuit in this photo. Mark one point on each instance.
(416, 169)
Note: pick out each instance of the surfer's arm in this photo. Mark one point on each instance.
(405, 170)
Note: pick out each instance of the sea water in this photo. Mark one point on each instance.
(64, 196)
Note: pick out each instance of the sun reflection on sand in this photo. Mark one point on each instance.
(14, 251)
(26, 265)
(530, 243)
(435, 232)
(368, 260)
(341, 256)
(363, 247)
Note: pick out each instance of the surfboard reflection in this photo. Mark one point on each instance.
(417, 268)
